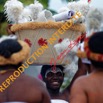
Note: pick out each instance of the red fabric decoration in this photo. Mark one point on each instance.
(28, 42)
(100, 57)
(42, 42)
(60, 40)
(89, 1)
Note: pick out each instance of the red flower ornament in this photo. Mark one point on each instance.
(60, 40)
(42, 42)
(89, 1)
(28, 42)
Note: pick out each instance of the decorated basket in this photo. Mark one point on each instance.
(42, 36)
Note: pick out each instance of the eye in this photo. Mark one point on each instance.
(59, 74)
(50, 74)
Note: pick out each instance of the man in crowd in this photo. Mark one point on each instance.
(88, 89)
(54, 80)
(13, 85)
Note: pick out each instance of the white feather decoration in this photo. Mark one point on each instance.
(36, 8)
(26, 16)
(94, 20)
(16, 12)
(72, 67)
(60, 47)
(78, 19)
(82, 6)
(13, 9)
(45, 16)
(38, 5)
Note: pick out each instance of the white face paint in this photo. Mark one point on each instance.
(57, 70)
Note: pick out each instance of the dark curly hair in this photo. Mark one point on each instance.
(7, 48)
(96, 45)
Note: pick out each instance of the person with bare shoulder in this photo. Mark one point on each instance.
(54, 79)
(15, 86)
(88, 89)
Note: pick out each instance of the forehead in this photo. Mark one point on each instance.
(52, 70)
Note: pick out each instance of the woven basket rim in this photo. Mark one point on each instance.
(46, 25)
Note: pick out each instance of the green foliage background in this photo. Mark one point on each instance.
(3, 22)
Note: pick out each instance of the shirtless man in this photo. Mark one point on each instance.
(20, 88)
(54, 80)
(88, 89)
